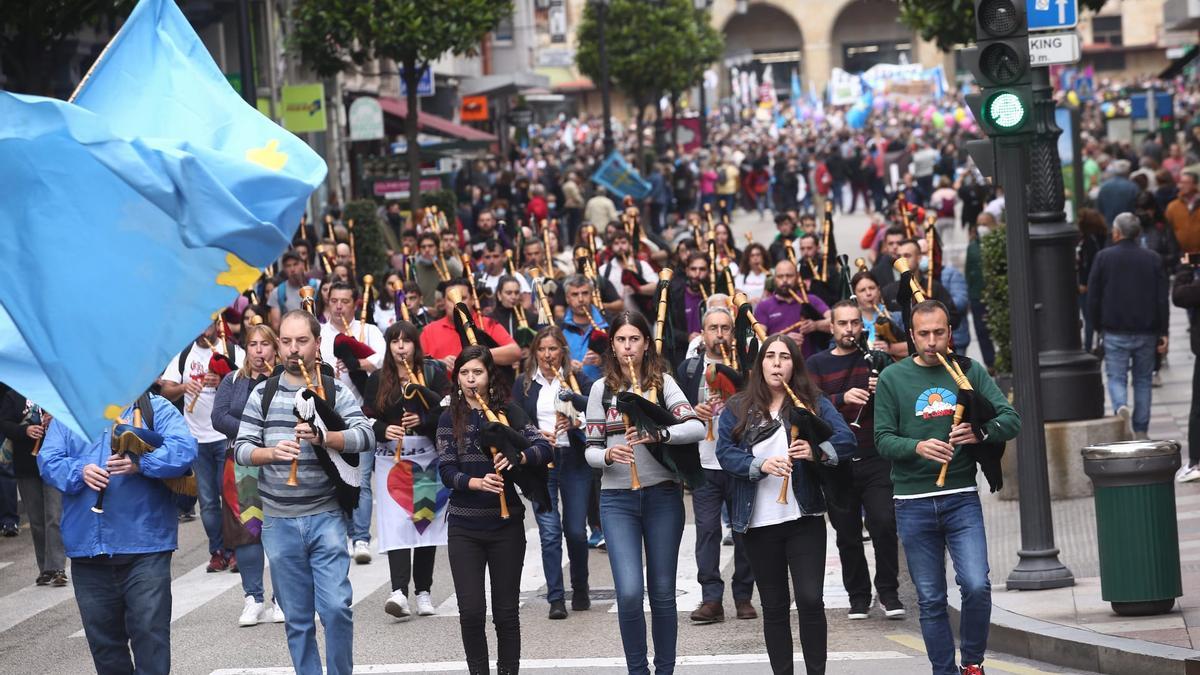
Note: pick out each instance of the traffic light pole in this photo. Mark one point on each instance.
(1039, 566)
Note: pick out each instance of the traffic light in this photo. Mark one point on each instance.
(1000, 63)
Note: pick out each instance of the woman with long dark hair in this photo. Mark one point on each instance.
(546, 391)
(756, 445)
(652, 516)
(405, 475)
(754, 273)
(486, 533)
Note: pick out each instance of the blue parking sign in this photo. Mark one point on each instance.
(1052, 14)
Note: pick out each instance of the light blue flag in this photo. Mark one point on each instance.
(619, 178)
(156, 79)
(130, 219)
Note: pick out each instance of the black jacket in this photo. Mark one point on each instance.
(12, 427)
(1186, 294)
(1127, 290)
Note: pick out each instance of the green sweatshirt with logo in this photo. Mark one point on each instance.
(913, 403)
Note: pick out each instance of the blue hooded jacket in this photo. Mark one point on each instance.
(139, 512)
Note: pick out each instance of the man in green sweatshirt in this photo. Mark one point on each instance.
(914, 410)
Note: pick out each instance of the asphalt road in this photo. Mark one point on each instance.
(40, 630)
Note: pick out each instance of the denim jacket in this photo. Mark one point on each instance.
(746, 469)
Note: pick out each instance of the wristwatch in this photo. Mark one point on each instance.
(664, 435)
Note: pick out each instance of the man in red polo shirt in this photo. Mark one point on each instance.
(439, 340)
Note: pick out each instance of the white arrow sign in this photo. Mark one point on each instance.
(1048, 49)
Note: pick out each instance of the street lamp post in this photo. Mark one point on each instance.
(605, 93)
(702, 14)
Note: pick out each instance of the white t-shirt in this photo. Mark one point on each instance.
(614, 271)
(384, 317)
(546, 413)
(199, 420)
(372, 337)
(753, 284)
(767, 509)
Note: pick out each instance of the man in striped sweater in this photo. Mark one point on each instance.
(304, 529)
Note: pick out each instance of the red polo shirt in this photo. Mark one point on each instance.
(439, 339)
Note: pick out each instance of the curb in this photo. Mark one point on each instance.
(1070, 647)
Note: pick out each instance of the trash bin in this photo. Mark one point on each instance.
(1135, 524)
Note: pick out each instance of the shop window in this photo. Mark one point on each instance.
(1106, 30)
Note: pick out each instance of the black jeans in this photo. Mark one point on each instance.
(502, 553)
(414, 563)
(707, 500)
(796, 547)
(872, 492)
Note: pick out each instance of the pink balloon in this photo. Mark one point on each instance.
(928, 114)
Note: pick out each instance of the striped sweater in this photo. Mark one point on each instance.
(315, 493)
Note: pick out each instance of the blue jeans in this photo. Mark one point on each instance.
(651, 517)
(573, 477)
(210, 462)
(928, 527)
(309, 568)
(126, 605)
(707, 502)
(360, 526)
(250, 566)
(1124, 352)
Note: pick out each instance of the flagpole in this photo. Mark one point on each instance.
(99, 59)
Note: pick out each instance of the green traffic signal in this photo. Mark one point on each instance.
(1006, 111)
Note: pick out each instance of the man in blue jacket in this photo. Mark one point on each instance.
(121, 558)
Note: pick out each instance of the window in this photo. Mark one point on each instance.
(1108, 61)
(503, 35)
(1106, 30)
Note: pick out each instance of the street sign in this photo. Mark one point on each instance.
(1049, 49)
(425, 86)
(1052, 14)
(366, 119)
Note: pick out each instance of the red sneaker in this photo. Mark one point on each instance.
(233, 563)
(972, 670)
(217, 563)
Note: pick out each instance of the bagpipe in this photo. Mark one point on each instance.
(723, 381)
(349, 350)
(642, 411)
(468, 332)
(503, 437)
(419, 400)
(877, 361)
(221, 361)
(311, 406)
(136, 439)
(970, 406)
(805, 425)
(748, 333)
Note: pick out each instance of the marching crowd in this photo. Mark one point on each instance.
(543, 348)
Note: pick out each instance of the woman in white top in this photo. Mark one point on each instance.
(783, 526)
(650, 517)
(753, 279)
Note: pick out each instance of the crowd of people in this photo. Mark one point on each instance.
(547, 348)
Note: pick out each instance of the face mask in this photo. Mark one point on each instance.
(983, 231)
(924, 266)
(500, 213)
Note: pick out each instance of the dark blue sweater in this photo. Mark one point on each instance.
(458, 464)
(1127, 290)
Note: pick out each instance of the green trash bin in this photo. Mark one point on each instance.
(1136, 525)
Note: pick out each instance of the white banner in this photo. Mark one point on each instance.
(410, 500)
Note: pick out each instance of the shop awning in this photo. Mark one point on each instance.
(502, 84)
(432, 124)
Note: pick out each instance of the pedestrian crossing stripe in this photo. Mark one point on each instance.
(597, 662)
(197, 587)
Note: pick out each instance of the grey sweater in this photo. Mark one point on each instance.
(606, 428)
(315, 493)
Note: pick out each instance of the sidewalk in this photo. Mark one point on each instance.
(1081, 606)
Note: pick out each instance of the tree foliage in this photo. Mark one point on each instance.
(994, 253)
(33, 34)
(950, 23)
(334, 35)
(370, 246)
(654, 47)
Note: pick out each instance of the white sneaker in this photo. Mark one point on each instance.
(397, 606)
(1126, 415)
(250, 612)
(274, 613)
(424, 604)
(1188, 474)
(362, 553)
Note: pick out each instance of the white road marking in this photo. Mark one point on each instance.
(4, 564)
(598, 662)
(687, 586)
(366, 579)
(30, 601)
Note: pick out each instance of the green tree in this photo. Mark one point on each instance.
(34, 36)
(654, 47)
(334, 35)
(950, 23)
(370, 248)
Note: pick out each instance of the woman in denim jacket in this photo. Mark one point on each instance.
(755, 446)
